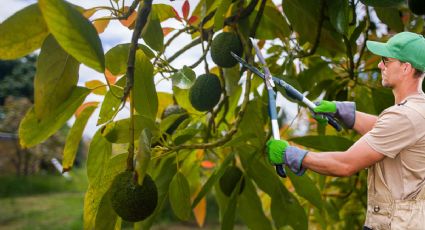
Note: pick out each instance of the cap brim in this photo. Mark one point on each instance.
(378, 48)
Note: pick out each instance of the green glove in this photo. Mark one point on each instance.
(280, 152)
(325, 107)
(276, 150)
(345, 111)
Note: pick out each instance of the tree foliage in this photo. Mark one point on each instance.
(318, 46)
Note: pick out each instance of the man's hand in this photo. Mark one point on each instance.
(280, 152)
(343, 110)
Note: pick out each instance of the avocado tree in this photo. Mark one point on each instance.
(208, 137)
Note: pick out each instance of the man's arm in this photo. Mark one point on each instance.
(357, 157)
(364, 122)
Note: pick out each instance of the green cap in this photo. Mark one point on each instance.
(404, 46)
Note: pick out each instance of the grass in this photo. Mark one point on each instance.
(53, 211)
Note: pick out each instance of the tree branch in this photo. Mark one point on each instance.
(141, 21)
(184, 49)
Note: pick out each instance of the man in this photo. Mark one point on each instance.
(392, 146)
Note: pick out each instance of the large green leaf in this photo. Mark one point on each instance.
(306, 188)
(98, 214)
(218, 172)
(282, 202)
(33, 131)
(220, 14)
(184, 78)
(272, 24)
(391, 17)
(382, 3)
(179, 193)
(116, 58)
(74, 33)
(143, 156)
(22, 33)
(145, 97)
(229, 211)
(152, 32)
(100, 151)
(163, 11)
(304, 16)
(106, 217)
(74, 136)
(112, 101)
(339, 15)
(56, 77)
(251, 210)
(118, 131)
(324, 143)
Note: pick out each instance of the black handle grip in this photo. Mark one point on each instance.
(280, 170)
(333, 122)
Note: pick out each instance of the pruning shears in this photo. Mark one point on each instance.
(270, 81)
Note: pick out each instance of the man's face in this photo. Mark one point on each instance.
(391, 71)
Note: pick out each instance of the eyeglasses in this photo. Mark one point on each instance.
(385, 60)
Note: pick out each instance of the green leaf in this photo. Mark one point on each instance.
(74, 136)
(33, 131)
(382, 99)
(184, 78)
(218, 172)
(382, 3)
(143, 156)
(74, 33)
(183, 135)
(182, 98)
(304, 16)
(391, 17)
(97, 213)
(145, 97)
(55, 79)
(220, 14)
(272, 24)
(22, 33)
(229, 213)
(306, 188)
(152, 32)
(100, 151)
(179, 193)
(106, 217)
(281, 200)
(250, 208)
(163, 11)
(339, 14)
(116, 58)
(111, 102)
(118, 131)
(324, 143)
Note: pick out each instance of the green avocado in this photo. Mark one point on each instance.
(230, 180)
(221, 47)
(417, 6)
(205, 92)
(131, 201)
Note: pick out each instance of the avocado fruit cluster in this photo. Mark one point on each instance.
(131, 201)
(222, 45)
(417, 6)
(230, 179)
(205, 92)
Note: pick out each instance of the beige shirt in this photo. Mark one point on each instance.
(399, 134)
